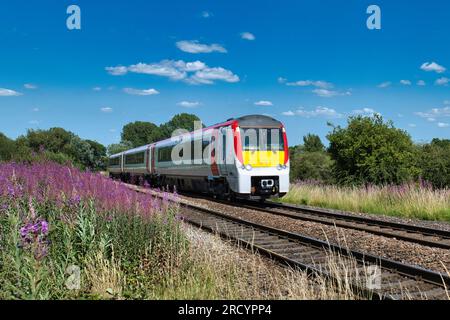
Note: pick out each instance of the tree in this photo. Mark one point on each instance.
(312, 143)
(311, 166)
(371, 151)
(119, 147)
(140, 133)
(434, 162)
(180, 121)
(7, 148)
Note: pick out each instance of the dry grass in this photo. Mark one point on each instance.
(229, 272)
(409, 201)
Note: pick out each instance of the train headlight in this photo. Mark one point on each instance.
(248, 167)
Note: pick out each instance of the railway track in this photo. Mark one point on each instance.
(371, 275)
(407, 232)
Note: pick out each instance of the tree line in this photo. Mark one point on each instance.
(368, 150)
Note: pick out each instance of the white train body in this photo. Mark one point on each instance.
(244, 157)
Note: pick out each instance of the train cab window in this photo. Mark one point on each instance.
(262, 139)
(135, 158)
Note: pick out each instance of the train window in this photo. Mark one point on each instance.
(135, 158)
(262, 139)
(114, 161)
(165, 154)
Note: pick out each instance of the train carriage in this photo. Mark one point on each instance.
(246, 157)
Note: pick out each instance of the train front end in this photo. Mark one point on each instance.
(262, 157)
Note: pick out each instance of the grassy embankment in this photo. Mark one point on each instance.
(66, 234)
(407, 201)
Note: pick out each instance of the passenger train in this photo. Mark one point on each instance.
(246, 157)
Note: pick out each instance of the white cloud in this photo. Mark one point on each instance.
(106, 109)
(443, 125)
(364, 111)
(9, 93)
(435, 113)
(193, 46)
(33, 122)
(442, 81)
(281, 80)
(421, 83)
(195, 72)
(325, 93)
(209, 75)
(188, 104)
(384, 84)
(412, 125)
(35, 109)
(306, 83)
(117, 71)
(288, 113)
(165, 68)
(405, 82)
(265, 103)
(433, 66)
(97, 89)
(112, 130)
(30, 86)
(317, 112)
(447, 102)
(207, 14)
(248, 36)
(138, 92)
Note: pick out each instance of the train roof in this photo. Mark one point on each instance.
(256, 120)
(249, 121)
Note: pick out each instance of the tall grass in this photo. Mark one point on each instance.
(418, 201)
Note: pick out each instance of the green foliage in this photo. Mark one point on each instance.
(61, 146)
(119, 147)
(7, 147)
(312, 143)
(179, 121)
(371, 151)
(311, 166)
(140, 133)
(434, 162)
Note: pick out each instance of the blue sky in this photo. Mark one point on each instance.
(305, 63)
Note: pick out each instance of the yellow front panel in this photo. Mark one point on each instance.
(263, 158)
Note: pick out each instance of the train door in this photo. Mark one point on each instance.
(222, 146)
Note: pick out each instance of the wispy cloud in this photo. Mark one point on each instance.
(9, 93)
(412, 125)
(97, 89)
(193, 46)
(248, 36)
(33, 122)
(35, 109)
(325, 93)
(195, 72)
(317, 112)
(435, 113)
(188, 104)
(206, 14)
(432, 66)
(106, 109)
(30, 86)
(442, 81)
(281, 80)
(405, 82)
(139, 92)
(364, 111)
(443, 125)
(307, 83)
(264, 103)
(384, 84)
(421, 83)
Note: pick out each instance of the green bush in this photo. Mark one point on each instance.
(370, 150)
(434, 162)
